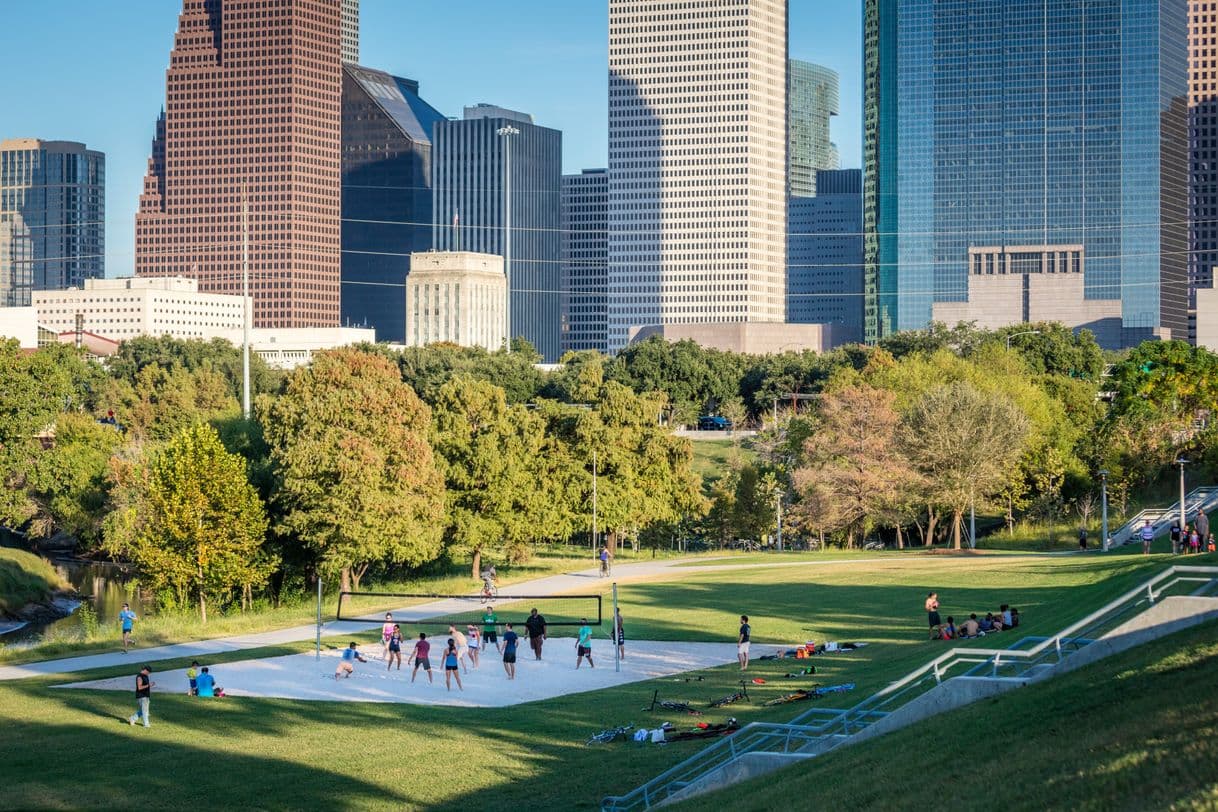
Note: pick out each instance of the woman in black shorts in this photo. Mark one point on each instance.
(932, 615)
(452, 667)
(395, 647)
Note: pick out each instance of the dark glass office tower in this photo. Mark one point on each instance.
(468, 175)
(1003, 135)
(386, 195)
(825, 255)
(585, 260)
(52, 217)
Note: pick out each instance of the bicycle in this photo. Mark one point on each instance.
(743, 693)
(606, 736)
(672, 705)
(490, 591)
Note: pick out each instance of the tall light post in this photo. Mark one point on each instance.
(1024, 333)
(1181, 461)
(595, 472)
(245, 304)
(1104, 510)
(506, 133)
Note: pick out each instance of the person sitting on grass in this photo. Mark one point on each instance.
(949, 630)
(970, 627)
(986, 624)
(1005, 611)
(996, 620)
(207, 685)
(347, 664)
(1014, 617)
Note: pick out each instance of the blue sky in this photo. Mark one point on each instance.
(83, 70)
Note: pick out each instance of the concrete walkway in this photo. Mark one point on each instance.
(572, 582)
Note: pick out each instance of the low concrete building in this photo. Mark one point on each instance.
(290, 347)
(1205, 330)
(458, 297)
(749, 337)
(20, 323)
(999, 295)
(137, 306)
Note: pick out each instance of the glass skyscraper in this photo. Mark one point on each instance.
(812, 101)
(52, 217)
(386, 195)
(1018, 137)
(825, 255)
(468, 168)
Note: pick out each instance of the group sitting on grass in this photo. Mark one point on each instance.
(202, 683)
(1007, 617)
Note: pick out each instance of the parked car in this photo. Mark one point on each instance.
(714, 423)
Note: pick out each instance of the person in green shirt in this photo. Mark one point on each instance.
(490, 628)
(583, 646)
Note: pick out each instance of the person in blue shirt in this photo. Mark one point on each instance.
(347, 664)
(127, 618)
(583, 646)
(206, 683)
(510, 640)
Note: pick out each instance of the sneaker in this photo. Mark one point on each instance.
(131, 722)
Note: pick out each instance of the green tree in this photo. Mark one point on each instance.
(963, 442)
(357, 477)
(855, 466)
(487, 451)
(216, 355)
(191, 522)
(67, 482)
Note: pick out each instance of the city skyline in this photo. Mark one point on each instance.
(556, 71)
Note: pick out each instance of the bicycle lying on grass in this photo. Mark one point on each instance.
(816, 692)
(668, 704)
(606, 736)
(743, 693)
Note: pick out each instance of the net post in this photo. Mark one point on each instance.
(319, 616)
(617, 651)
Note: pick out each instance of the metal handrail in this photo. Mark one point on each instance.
(1197, 499)
(756, 736)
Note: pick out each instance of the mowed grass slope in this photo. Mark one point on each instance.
(25, 578)
(1137, 731)
(72, 748)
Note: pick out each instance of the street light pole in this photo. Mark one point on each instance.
(245, 304)
(1024, 333)
(1104, 510)
(1181, 462)
(506, 133)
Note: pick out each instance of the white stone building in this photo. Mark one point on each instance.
(137, 306)
(290, 347)
(457, 297)
(697, 163)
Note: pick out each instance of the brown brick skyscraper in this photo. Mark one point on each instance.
(253, 99)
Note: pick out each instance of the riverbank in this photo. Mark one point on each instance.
(31, 591)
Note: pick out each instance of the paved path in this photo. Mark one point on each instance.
(550, 585)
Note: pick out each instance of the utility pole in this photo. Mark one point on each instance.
(594, 477)
(1181, 462)
(245, 304)
(1104, 510)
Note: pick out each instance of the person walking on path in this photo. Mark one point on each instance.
(1148, 535)
(143, 697)
(490, 628)
(127, 619)
(583, 646)
(932, 615)
(420, 656)
(604, 557)
(510, 639)
(395, 647)
(619, 634)
(451, 668)
(535, 625)
(742, 642)
(1082, 539)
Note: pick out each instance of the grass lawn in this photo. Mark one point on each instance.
(72, 748)
(713, 458)
(25, 578)
(1135, 731)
